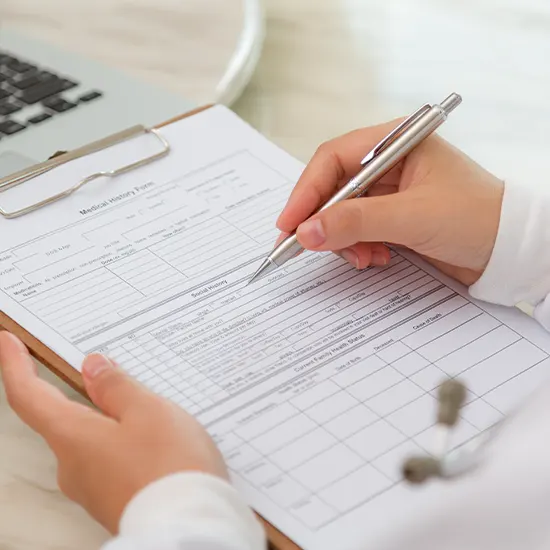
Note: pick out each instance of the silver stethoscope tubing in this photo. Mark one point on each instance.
(444, 463)
(246, 56)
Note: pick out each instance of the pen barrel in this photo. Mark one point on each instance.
(382, 163)
(376, 168)
(287, 250)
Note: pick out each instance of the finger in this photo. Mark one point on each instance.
(334, 163)
(110, 389)
(374, 219)
(280, 239)
(363, 255)
(382, 190)
(41, 406)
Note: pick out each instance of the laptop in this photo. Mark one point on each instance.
(51, 100)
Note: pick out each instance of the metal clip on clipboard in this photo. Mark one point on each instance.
(28, 174)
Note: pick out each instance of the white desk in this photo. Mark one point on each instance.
(329, 66)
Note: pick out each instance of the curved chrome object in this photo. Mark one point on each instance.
(245, 59)
(27, 175)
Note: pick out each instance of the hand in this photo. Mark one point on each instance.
(437, 202)
(105, 459)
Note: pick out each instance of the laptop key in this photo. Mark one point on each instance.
(58, 104)
(42, 91)
(19, 66)
(10, 127)
(68, 84)
(8, 75)
(90, 96)
(46, 75)
(8, 108)
(27, 82)
(39, 118)
(5, 59)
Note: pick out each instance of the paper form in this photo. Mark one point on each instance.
(317, 382)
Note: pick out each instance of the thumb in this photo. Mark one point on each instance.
(387, 218)
(110, 389)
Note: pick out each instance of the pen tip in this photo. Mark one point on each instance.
(263, 270)
(254, 278)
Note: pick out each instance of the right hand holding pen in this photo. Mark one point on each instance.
(437, 202)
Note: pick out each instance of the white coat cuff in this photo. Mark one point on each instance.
(519, 268)
(197, 504)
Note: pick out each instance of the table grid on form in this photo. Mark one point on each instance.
(360, 418)
(315, 383)
(161, 251)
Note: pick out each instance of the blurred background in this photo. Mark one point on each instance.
(311, 69)
(301, 72)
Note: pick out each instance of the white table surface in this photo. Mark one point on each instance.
(328, 66)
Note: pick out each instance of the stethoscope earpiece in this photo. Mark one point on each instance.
(419, 469)
(452, 394)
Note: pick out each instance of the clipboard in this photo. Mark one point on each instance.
(54, 363)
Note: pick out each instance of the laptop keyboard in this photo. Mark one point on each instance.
(31, 95)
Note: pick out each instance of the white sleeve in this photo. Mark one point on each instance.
(188, 511)
(518, 273)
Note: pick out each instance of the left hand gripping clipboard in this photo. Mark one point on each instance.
(38, 350)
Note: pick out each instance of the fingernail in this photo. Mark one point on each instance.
(95, 364)
(313, 233)
(379, 259)
(350, 256)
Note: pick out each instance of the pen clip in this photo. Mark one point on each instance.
(391, 137)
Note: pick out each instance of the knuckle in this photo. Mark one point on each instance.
(324, 149)
(356, 210)
(360, 221)
(326, 153)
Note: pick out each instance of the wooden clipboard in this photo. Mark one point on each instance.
(64, 371)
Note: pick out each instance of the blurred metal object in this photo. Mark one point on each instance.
(419, 469)
(61, 158)
(245, 58)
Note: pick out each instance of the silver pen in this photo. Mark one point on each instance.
(387, 154)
